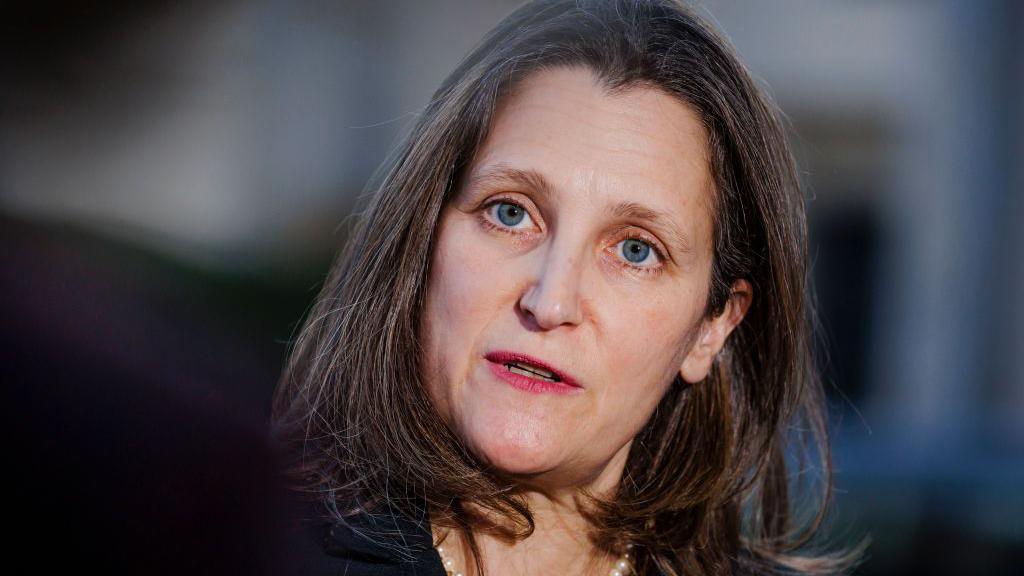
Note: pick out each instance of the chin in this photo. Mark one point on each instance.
(514, 445)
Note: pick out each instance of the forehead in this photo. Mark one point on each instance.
(640, 145)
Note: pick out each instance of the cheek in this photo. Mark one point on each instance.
(466, 288)
(647, 342)
(649, 336)
(465, 280)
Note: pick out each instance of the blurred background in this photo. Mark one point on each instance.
(174, 177)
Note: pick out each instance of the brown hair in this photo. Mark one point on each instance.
(705, 489)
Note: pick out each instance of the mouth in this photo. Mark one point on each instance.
(530, 367)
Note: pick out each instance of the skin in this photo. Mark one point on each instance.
(557, 285)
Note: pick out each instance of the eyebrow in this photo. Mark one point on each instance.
(501, 173)
(634, 211)
(504, 173)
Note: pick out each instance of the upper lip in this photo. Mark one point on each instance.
(506, 356)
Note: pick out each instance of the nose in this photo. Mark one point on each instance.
(552, 298)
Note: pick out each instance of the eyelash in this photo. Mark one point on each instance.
(646, 270)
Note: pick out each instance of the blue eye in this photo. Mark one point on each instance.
(510, 214)
(636, 251)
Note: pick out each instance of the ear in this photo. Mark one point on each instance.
(714, 331)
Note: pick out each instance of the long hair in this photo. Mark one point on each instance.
(706, 488)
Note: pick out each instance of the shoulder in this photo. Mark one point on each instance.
(382, 544)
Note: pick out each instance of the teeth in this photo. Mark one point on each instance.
(531, 370)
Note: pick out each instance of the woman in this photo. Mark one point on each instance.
(570, 333)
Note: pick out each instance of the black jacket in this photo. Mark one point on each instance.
(399, 545)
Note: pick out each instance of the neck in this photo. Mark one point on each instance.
(560, 542)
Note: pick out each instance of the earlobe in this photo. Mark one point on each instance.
(714, 332)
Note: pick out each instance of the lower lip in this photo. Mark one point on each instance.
(527, 384)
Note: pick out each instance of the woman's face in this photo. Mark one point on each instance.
(580, 244)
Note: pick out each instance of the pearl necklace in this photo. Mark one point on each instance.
(622, 565)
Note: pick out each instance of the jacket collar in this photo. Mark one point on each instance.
(386, 535)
